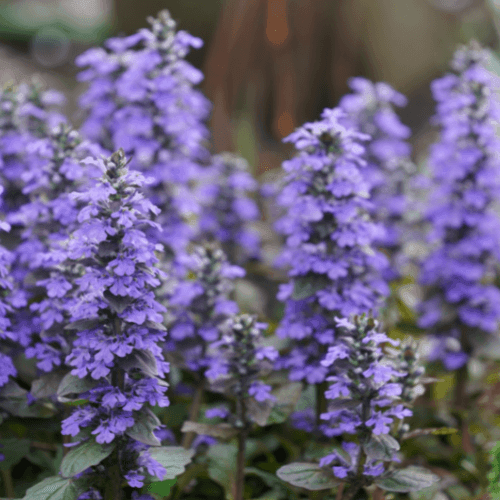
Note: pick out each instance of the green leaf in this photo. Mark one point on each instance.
(84, 456)
(381, 447)
(14, 450)
(286, 400)
(117, 303)
(142, 360)
(412, 478)
(308, 476)
(143, 429)
(47, 384)
(306, 286)
(221, 431)
(71, 384)
(258, 411)
(342, 404)
(269, 412)
(436, 431)
(173, 458)
(82, 324)
(162, 487)
(52, 488)
(222, 465)
(14, 400)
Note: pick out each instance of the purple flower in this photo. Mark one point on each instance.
(119, 342)
(370, 388)
(200, 305)
(228, 209)
(371, 109)
(235, 360)
(141, 98)
(333, 268)
(464, 225)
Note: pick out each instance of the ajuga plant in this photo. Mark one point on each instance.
(27, 112)
(462, 303)
(198, 306)
(142, 98)
(42, 223)
(237, 365)
(369, 395)
(371, 109)
(14, 398)
(8, 338)
(228, 208)
(333, 267)
(115, 361)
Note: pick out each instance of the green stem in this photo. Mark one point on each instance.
(351, 492)
(462, 403)
(321, 402)
(240, 465)
(8, 485)
(188, 438)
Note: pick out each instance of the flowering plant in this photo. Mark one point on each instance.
(334, 269)
(368, 390)
(459, 272)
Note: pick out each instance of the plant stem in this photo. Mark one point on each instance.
(461, 405)
(340, 492)
(113, 489)
(188, 438)
(351, 492)
(320, 402)
(461, 399)
(240, 465)
(8, 485)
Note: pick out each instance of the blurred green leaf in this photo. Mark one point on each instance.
(83, 456)
(308, 476)
(52, 488)
(14, 450)
(411, 478)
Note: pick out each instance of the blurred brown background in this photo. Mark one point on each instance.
(270, 65)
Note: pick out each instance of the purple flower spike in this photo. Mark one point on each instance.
(370, 388)
(27, 113)
(228, 207)
(43, 224)
(117, 347)
(371, 109)
(237, 366)
(329, 247)
(142, 98)
(199, 307)
(464, 225)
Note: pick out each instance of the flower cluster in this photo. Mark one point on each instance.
(371, 109)
(459, 272)
(43, 223)
(228, 208)
(141, 98)
(117, 352)
(55, 171)
(334, 269)
(200, 305)
(365, 396)
(242, 361)
(27, 113)
(8, 339)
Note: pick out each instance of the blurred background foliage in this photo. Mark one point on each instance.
(270, 65)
